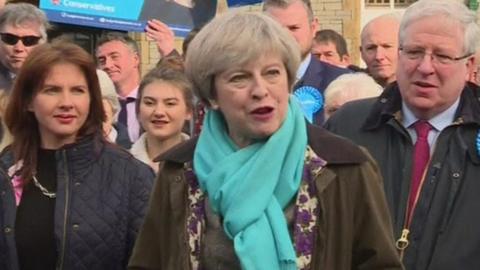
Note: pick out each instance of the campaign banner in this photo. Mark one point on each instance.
(131, 15)
(237, 3)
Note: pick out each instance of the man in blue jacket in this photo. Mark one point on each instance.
(313, 76)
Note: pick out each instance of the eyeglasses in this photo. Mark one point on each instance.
(12, 39)
(418, 54)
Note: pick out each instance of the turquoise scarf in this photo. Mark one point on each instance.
(250, 187)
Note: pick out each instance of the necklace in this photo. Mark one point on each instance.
(44, 191)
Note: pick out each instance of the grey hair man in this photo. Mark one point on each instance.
(424, 132)
(379, 47)
(22, 27)
(118, 55)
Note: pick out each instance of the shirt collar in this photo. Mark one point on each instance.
(133, 94)
(303, 66)
(439, 121)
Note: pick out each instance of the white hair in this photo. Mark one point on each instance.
(444, 10)
(349, 87)
(108, 92)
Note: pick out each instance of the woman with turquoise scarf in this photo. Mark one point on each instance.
(260, 188)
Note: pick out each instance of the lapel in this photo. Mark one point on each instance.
(312, 76)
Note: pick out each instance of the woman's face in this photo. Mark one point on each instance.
(61, 105)
(253, 98)
(163, 110)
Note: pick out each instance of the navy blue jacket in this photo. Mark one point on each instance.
(319, 75)
(102, 195)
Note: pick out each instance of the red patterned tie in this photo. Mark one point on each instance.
(420, 159)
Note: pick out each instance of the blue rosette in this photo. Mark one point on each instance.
(310, 99)
(478, 143)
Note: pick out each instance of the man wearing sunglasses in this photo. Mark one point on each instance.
(22, 27)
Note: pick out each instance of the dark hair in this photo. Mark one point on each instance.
(189, 39)
(22, 123)
(328, 35)
(285, 3)
(169, 73)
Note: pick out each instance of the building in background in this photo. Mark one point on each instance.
(344, 16)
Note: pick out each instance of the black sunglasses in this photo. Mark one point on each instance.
(12, 39)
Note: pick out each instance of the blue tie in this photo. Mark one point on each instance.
(122, 116)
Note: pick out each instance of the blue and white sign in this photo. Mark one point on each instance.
(131, 15)
(236, 3)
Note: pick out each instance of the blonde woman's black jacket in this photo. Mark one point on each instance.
(102, 195)
(444, 233)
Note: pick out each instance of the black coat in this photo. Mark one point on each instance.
(444, 233)
(102, 194)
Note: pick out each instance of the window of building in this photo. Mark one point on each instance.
(389, 3)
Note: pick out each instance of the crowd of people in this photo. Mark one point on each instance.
(259, 146)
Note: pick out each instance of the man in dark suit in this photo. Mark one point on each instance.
(183, 13)
(313, 76)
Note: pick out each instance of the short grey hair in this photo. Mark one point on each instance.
(453, 11)
(348, 87)
(121, 37)
(285, 3)
(234, 39)
(20, 13)
(109, 94)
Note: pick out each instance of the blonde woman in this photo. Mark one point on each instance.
(164, 105)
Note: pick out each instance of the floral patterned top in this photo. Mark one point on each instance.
(305, 220)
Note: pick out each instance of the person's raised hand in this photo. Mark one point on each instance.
(162, 35)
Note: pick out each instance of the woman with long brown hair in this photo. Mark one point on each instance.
(70, 200)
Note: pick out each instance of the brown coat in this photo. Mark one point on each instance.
(354, 228)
